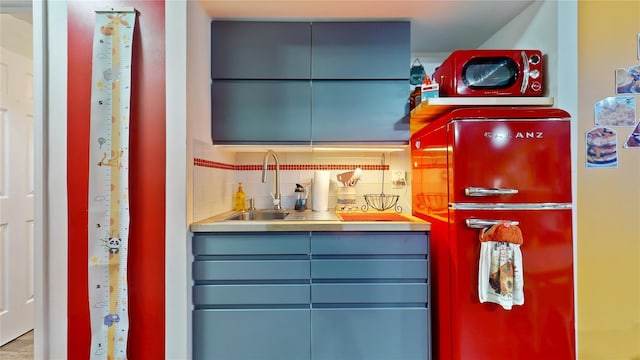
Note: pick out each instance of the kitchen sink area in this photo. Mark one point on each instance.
(308, 220)
(273, 215)
(260, 215)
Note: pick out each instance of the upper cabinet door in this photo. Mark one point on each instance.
(359, 111)
(360, 50)
(261, 111)
(260, 50)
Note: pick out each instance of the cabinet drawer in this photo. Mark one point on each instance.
(342, 243)
(369, 293)
(273, 334)
(251, 294)
(369, 269)
(251, 270)
(371, 334)
(251, 243)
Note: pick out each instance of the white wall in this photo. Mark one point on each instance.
(370, 182)
(177, 310)
(534, 28)
(55, 241)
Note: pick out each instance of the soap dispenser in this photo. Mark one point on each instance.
(239, 204)
(301, 200)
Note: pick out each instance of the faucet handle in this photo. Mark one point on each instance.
(276, 201)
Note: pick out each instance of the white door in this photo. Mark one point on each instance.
(16, 195)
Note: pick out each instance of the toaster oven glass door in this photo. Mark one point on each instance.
(490, 73)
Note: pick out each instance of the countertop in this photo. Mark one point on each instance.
(309, 221)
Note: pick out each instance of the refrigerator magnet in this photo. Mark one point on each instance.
(602, 147)
(633, 141)
(615, 111)
(628, 80)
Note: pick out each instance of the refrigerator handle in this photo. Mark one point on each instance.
(483, 223)
(480, 191)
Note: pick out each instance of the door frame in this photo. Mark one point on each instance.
(41, 178)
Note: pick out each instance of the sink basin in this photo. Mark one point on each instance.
(260, 215)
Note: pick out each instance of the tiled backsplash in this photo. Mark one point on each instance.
(217, 173)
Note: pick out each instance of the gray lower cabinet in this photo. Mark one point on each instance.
(251, 334)
(318, 295)
(369, 296)
(251, 296)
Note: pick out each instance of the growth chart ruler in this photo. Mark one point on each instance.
(109, 182)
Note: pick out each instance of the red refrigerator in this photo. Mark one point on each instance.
(475, 167)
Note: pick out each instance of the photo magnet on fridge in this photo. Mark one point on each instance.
(633, 141)
(602, 148)
(615, 111)
(628, 80)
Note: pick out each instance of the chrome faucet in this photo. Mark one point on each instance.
(277, 203)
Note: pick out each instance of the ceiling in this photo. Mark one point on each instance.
(436, 25)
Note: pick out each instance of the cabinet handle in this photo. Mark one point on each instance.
(483, 223)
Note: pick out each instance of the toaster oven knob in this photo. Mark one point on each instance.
(536, 86)
(534, 74)
(534, 59)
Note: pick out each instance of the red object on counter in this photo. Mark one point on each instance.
(380, 216)
(491, 73)
(498, 164)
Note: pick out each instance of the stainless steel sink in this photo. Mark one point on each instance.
(260, 215)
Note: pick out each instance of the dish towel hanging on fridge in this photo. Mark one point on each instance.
(500, 277)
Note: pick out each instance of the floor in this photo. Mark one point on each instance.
(19, 349)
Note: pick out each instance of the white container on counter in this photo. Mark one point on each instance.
(320, 191)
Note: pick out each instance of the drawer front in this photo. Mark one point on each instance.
(369, 293)
(273, 334)
(369, 269)
(372, 334)
(374, 243)
(252, 294)
(250, 243)
(251, 270)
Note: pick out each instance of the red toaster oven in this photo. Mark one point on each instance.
(491, 73)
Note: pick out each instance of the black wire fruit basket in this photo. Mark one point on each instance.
(382, 201)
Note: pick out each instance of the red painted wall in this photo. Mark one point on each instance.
(146, 178)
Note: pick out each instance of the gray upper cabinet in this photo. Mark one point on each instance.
(359, 111)
(260, 50)
(301, 83)
(260, 111)
(360, 50)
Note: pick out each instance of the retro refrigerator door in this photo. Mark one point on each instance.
(542, 328)
(429, 175)
(510, 161)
